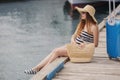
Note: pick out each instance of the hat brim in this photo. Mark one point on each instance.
(94, 19)
(80, 10)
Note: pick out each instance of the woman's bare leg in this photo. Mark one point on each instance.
(61, 51)
(42, 63)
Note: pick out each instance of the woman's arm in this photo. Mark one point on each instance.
(95, 32)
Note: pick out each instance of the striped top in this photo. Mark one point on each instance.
(84, 37)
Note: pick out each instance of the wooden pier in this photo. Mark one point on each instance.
(101, 68)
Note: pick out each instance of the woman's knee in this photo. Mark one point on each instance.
(56, 51)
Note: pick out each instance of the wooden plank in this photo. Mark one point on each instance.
(100, 49)
(117, 16)
(102, 39)
(101, 62)
(104, 30)
(101, 54)
(94, 70)
(102, 44)
(88, 77)
(41, 75)
(102, 33)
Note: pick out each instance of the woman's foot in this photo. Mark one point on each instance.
(30, 71)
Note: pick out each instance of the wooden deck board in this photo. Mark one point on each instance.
(88, 77)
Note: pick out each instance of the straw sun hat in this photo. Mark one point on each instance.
(88, 8)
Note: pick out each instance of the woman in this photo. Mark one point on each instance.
(86, 32)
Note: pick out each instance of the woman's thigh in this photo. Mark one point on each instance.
(61, 51)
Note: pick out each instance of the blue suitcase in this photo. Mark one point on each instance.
(113, 39)
(113, 34)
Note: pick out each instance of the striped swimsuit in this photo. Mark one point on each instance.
(84, 37)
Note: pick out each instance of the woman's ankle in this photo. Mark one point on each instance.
(36, 69)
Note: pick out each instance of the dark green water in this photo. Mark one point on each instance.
(29, 31)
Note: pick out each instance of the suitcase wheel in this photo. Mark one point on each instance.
(110, 58)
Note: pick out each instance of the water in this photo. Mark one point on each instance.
(29, 31)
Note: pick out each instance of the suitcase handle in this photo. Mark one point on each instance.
(110, 11)
(111, 19)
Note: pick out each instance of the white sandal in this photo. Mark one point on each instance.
(30, 71)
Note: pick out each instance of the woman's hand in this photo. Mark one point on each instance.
(82, 45)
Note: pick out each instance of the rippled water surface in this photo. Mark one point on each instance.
(29, 31)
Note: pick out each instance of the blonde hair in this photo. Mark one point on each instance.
(88, 22)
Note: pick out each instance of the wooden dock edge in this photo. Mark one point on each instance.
(49, 71)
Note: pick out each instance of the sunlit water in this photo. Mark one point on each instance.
(29, 31)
